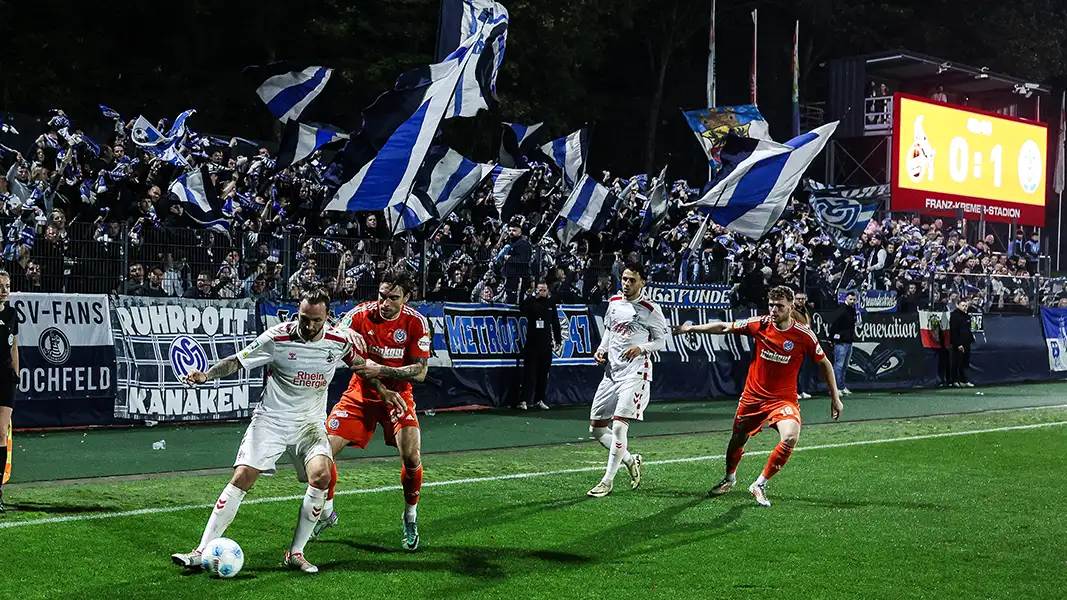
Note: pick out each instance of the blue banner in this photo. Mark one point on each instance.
(492, 335)
(1054, 321)
(689, 295)
(873, 301)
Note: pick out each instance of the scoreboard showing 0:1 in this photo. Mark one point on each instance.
(949, 158)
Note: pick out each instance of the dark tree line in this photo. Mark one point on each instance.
(626, 66)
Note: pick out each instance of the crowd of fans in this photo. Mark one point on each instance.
(82, 217)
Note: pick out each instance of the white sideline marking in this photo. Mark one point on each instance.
(389, 488)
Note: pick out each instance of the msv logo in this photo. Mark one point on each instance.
(186, 356)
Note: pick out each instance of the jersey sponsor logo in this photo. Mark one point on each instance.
(186, 355)
(400, 336)
(623, 328)
(53, 344)
(311, 380)
(766, 354)
(386, 352)
(788, 345)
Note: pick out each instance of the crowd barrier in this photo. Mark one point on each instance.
(103, 360)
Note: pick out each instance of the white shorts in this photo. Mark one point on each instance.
(264, 443)
(627, 399)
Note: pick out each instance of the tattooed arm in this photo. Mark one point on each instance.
(372, 370)
(224, 367)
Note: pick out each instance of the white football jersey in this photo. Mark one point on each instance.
(298, 372)
(631, 324)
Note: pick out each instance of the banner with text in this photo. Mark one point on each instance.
(689, 295)
(887, 351)
(1054, 321)
(65, 348)
(157, 340)
(872, 301)
(492, 335)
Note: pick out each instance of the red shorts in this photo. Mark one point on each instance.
(752, 415)
(356, 419)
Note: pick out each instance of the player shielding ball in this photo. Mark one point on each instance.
(300, 358)
(634, 328)
(398, 336)
(770, 394)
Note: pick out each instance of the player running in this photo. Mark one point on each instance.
(300, 358)
(399, 337)
(770, 395)
(634, 328)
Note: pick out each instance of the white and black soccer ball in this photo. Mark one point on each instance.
(223, 557)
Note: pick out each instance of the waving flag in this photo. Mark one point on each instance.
(587, 206)
(110, 112)
(656, 212)
(5, 128)
(287, 92)
(692, 251)
(713, 125)
(758, 178)
(461, 20)
(300, 140)
(200, 201)
(843, 212)
(164, 147)
(508, 187)
(445, 180)
(516, 142)
(568, 153)
(398, 131)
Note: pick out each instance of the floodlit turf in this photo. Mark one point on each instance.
(973, 516)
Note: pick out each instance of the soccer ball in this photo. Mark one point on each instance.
(223, 557)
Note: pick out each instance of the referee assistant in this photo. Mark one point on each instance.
(9, 368)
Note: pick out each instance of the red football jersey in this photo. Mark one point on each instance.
(776, 358)
(392, 343)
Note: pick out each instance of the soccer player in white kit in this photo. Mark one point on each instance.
(634, 328)
(290, 418)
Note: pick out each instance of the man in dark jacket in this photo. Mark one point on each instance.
(960, 339)
(842, 334)
(543, 334)
(517, 266)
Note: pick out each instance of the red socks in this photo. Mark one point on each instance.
(733, 459)
(333, 480)
(411, 479)
(779, 456)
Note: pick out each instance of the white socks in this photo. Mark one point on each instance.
(618, 452)
(761, 480)
(310, 511)
(222, 515)
(411, 512)
(327, 509)
(606, 437)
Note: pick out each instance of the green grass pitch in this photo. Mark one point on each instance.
(967, 516)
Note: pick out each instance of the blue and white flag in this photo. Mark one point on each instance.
(164, 147)
(5, 128)
(568, 153)
(408, 118)
(110, 113)
(287, 94)
(713, 125)
(691, 254)
(460, 19)
(1054, 321)
(844, 212)
(487, 23)
(445, 180)
(508, 187)
(199, 200)
(656, 211)
(299, 140)
(757, 179)
(516, 142)
(588, 205)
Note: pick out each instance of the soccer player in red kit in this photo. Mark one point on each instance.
(399, 339)
(770, 395)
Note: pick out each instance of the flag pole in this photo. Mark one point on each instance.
(796, 79)
(711, 59)
(755, 38)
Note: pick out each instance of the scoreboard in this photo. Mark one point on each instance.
(948, 158)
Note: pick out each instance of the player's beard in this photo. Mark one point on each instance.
(308, 335)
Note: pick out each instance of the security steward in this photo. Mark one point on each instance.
(543, 335)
